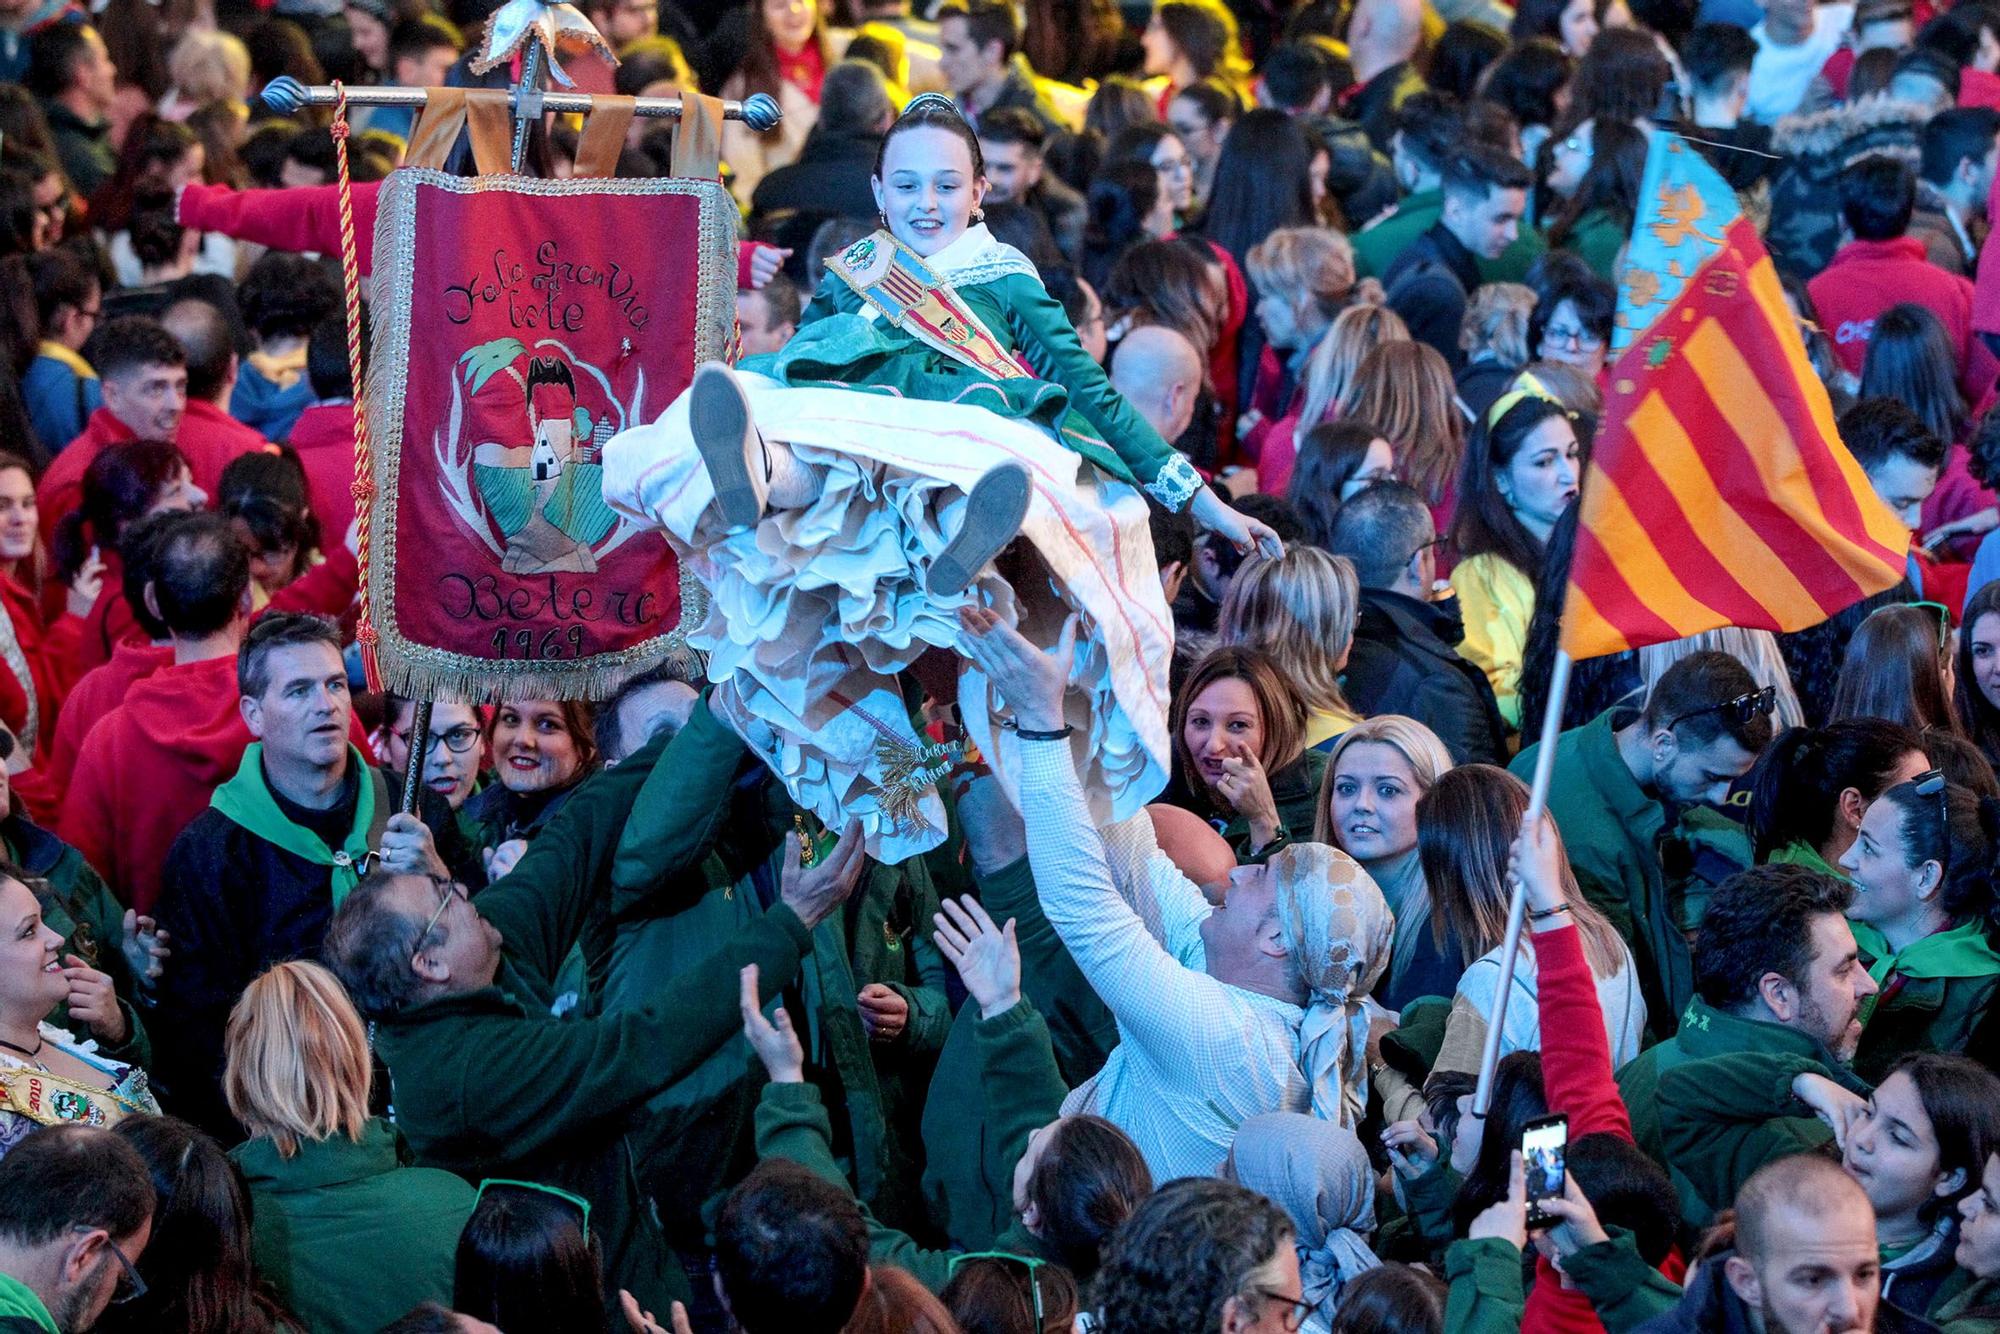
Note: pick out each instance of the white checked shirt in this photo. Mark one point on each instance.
(1196, 1057)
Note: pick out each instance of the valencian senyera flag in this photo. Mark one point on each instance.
(1718, 491)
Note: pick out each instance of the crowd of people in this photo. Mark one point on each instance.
(614, 1032)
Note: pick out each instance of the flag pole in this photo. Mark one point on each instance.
(1517, 908)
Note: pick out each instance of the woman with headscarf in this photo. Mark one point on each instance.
(1223, 1013)
(1319, 1174)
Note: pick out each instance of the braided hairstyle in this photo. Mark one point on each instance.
(938, 112)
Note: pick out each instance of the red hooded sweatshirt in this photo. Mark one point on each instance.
(50, 653)
(208, 436)
(324, 437)
(1867, 277)
(101, 690)
(150, 766)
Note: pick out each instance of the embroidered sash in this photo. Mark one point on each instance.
(54, 1101)
(891, 277)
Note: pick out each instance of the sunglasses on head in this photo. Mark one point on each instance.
(582, 1204)
(1944, 622)
(1932, 784)
(1738, 711)
(1027, 1262)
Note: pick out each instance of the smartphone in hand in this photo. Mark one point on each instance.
(1544, 1154)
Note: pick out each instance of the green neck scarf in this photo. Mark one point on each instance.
(247, 800)
(1801, 853)
(1959, 951)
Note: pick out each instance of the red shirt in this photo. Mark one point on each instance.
(101, 690)
(207, 435)
(324, 437)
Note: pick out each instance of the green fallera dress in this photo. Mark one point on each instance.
(815, 610)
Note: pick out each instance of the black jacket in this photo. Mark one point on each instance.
(1428, 285)
(234, 904)
(1404, 661)
(829, 180)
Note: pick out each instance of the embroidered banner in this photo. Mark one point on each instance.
(520, 324)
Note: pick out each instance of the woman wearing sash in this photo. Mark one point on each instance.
(844, 497)
(46, 1076)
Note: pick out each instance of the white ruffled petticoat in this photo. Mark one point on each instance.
(814, 611)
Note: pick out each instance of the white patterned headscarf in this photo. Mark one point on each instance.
(1318, 1173)
(1339, 931)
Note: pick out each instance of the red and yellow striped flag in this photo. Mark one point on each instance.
(1718, 491)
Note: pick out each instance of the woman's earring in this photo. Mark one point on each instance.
(883, 216)
(979, 215)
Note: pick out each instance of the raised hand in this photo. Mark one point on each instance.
(1030, 681)
(144, 947)
(987, 957)
(92, 1001)
(776, 1044)
(815, 891)
(1507, 1218)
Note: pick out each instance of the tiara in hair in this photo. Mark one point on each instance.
(925, 100)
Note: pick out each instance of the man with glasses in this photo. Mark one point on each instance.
(254, 879)
(1405, 657)
(1626, 777)
(76, 1212)
(60, 389)
(1200, 1256)
(487, 1082)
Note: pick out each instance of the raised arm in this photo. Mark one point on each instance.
(304, 219)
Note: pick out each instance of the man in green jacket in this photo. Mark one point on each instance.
(76, 1212)
(1429, 129)
(486, 1082)
(1617, 777)
(1778, 980)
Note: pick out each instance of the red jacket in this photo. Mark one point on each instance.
(208, 436)
(150, 766)
(1867, 277)
(101, 690)
(50, 651)
(308, 219)
(324, 437)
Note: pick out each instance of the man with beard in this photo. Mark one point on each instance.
(1805, 1261)
(76, 1211)
(1778, 993)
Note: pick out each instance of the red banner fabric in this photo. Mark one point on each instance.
(519, 325)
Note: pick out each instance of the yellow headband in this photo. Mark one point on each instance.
(1526, 386)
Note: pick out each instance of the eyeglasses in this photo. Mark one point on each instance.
(1932, 784)
(1737, 712)
(1027, 1262)
(447, 890)
(582, 1204)
(1580, 339)
(1442, 551)
(1298, 1311)
(130, 1285)
(1944, 622)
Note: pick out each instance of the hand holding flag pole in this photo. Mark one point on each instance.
(1718, 492)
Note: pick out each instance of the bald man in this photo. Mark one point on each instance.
(1159, 372)
(1382, 41)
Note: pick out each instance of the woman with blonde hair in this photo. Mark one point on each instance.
(1303, 278)
(1380, 769)
(1405, 388)
(1467, 825)
(348, 1234)
(1755, 649)
(1494, 338)
(1300, 609)
(1324, 384)
(206, 66)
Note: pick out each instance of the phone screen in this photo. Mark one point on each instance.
(1544, 1145)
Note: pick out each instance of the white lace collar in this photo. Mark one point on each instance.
(977, 258)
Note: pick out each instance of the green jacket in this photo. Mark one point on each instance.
(1612, 828)
(76, 903)
(1487, 1296)
(350, 1234)
(1705, 1033)
(1926, 1008)
(1623, 1289)
(487, 1083)
(1972, 1310)
(1596, 239)
(1081, 1026)
(1723, 1117)
(712, 832)
(21, 1311)
(1378, 245)
(792, 1124)
(996, 1084)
